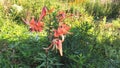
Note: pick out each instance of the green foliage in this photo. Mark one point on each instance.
(92, 44)
(99, 9)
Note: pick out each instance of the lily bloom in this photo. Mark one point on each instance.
(62, 30)
(37, 25)
(65, 28)
(32, 24)
(57, 43)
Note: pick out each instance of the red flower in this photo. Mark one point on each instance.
(62, 30)
(58, 32)
(36, 26)
(40, 26)
(65, 28)
(32, 24)
(56, 43)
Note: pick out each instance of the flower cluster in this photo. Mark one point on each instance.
(61, 31)
(37, 26)
(58, 34)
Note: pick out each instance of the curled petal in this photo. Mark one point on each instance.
(46, 49)
(58, 44)
(63, 38)
(59, 47)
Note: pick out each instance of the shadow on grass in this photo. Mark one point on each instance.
(22, 52)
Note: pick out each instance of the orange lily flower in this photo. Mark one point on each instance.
(32, 24)
(62, 30)
(37, 25)
(58, 44)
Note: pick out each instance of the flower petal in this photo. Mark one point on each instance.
(40, 24)
(43, 13)
(32, 24)
(59, 47)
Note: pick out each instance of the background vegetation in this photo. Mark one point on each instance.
(95, 42)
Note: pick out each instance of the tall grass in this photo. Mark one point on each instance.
(109, 9)
(98, 8)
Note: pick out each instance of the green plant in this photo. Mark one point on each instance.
(93, 42)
